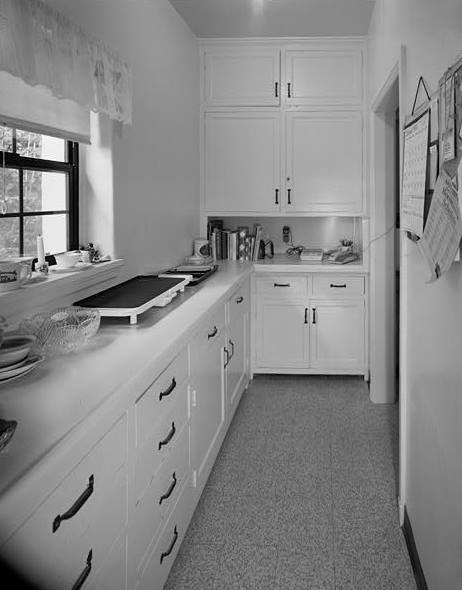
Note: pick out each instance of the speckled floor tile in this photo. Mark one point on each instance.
(302, 496)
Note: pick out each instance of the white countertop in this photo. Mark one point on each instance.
(63, 391)
(284, 263)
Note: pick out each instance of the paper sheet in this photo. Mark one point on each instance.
(414, 174)
(443, 228)
(448, 120)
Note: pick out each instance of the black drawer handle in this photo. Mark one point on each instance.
(334, 286)
(172, 545)
(169, 436)
(169, 390)
(85, 572)
(289, 93)
(232, 348)
(306, 315)
(282, 284)
(213, 333)
(314, 315)
(169, 492)
(289, 193)
(240, 299)
(76, 506)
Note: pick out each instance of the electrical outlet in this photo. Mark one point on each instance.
(286, 234)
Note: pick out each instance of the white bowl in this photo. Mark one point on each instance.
(67, 259)
(14, 348)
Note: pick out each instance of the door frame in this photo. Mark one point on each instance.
(397, 75)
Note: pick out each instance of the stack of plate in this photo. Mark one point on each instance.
(16, 358)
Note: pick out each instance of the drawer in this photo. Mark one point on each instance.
(164, 439)
(166, 548)
(282, 286)
(84, 514)
(337, 286)
(156, 505)
(160, 397)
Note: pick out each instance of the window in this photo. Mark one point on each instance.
(41, 193)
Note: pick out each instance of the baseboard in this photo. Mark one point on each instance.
(413, 554)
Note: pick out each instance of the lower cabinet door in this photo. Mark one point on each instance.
(282, 334)
(337, 335)
(207, 405)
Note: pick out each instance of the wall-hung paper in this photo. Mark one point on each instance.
(433, 174)
(434, 125)
(414, 174)
(443, 228)
(448, 120)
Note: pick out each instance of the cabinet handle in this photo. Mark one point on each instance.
(172, 545)
(334, 286)
(169, 437)
(289, 201)
(232, 348)
(281, 284)
(85, 572)
(240, 299)
(227, 357)
(276, 200)
(289, 94)
(306, 315)
(169, 492)
(169, 390)
(213, 333)
(76, 506)
(314, 315)
(276, 89)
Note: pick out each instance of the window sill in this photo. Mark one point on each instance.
(57, 290)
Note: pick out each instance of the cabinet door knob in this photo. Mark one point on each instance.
(276, 200)
(240, 299)
(289, 192)
(314, 315)
(213, 333)
(85, 573)
(276, 89)
(306, 315)
(172, 545)
(169, 389)
(289, 90)
(169, 492)
(76, 506)
(168, 438)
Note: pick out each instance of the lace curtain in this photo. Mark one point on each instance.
(40, 46)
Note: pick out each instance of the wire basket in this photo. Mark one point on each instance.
(62, 330)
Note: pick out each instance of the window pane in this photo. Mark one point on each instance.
(9, 237)
(11, 189)
(6, 139)
(34, 145)
(53, 228)
(45, 191)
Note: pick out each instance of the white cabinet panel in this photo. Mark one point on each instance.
(324, 162)
(337, 335)
(282, 334)
(241, 76)
(242, 162)
(326, 76)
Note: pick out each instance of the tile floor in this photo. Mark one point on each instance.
(302, 495)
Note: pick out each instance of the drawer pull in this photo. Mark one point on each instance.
(169, 492)
(232, 348)
(228, 357)
(169, 437)
(289, 192)
(276, 93)
(172, 545)
(169, 390)
(314, 315)
(289, 93)
(85, 572)
(76, 506)
(240, 299)
(276, 200)
(306, 315)
(213, 333)
(334, 286)
(282, 284)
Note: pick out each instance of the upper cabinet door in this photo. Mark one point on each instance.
(241, 76)
(324, 162)
(324, 77)
(242, 162)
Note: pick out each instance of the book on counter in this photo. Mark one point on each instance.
(237, 244)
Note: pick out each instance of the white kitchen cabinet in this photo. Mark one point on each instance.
(309, 323)
(324, 162)
(337, 335)
(329, 76)
(237, 347)
(282, 339)
(241, 76)
(207, 395)
(242, 162)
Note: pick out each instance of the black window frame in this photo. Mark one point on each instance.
(15, 161)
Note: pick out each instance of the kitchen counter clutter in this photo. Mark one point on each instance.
(115, 443)
(285, 263)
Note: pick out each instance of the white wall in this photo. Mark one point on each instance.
(140, 184)
(432, 33)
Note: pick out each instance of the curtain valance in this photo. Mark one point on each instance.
(42, 47)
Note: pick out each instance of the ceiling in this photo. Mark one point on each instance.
(276, 18)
